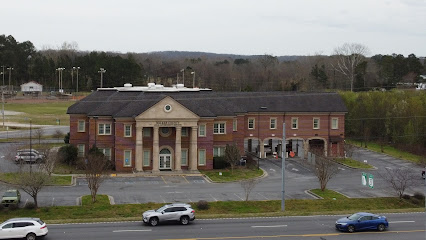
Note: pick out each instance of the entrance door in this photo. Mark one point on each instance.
(165, 160)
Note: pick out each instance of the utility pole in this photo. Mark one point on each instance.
(10, 75)
(183, 76)
(76, 68)
(2, 73)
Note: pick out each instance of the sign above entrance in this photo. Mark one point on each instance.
(168, 123)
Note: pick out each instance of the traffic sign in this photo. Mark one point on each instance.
(364, 179)
(371, 181)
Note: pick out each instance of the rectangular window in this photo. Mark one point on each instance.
(106, 152)
(251, 123)
(294, 123)
(218, 151)
(219, 128)
(81, 126)
(202, 130)
(273, 123)
(316, 123)
(81, 150)
(334, 123)
(146, 132)
(127, 158)
(127, 130)
(146, 157)
(234, 125)
(184, 155)
(184, 132)
(201, 157)
(104, 129)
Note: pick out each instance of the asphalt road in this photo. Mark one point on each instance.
(401, 226)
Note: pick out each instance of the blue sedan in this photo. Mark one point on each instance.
(362, 221)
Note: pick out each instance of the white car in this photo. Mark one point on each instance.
(28, 228)
(177, 212)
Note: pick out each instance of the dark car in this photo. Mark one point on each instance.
(362, 221)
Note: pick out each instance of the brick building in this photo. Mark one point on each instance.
(176, 128)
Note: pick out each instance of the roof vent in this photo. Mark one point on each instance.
(180, 85)
(127, 85)
(159, 86)
(150, 85)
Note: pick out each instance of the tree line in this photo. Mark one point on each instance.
(347, 68)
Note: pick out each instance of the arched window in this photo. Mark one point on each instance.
(165, 151)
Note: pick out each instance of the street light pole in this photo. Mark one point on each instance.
(283, 146)
(102, 71)
(2, 73)
(76, 68)
(193, 79)
(60, 78)
(10, 75)
(258, 134)
(183, 76)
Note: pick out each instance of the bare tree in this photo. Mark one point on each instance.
(349, 56)
(39, 132)
(32, 183)
(349, 149)
(325, 169)
(248, 186)
(95, 167)
(399, 179)
(49, 159)
(232, 155)
(58, 134)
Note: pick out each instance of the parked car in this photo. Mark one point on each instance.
(27, 150)
(28, 228)
(178, 212)
(12, 196)
(423, 174)
(362, 221)
(32, 156)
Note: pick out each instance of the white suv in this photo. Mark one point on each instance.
(28, 228)
(180, 212)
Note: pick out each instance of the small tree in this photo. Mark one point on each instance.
(58, 134)
(32, 183)
(50, 158)
(349, 149)
(248, 186)
(39, 132)
(399, 179)
(325, 169)
(68, 154)
(95, 167)
(232, 155)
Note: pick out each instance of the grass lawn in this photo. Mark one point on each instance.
(40, 113)
(328, 194)
(353, 163)
(56, 180)
(103, 211)
(239, 173)
(389, 150)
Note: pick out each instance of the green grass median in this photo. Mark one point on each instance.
(103, 211)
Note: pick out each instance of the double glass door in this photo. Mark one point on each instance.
(165, 159)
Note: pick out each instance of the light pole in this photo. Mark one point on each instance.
(101, 71)
(2, 73)
(10, 75)
(193, 79)
(76, 68)
(183, 76)
(283, 146)
(258, 135)
(60, 78)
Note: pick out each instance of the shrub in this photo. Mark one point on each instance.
(419, 195)
(1, 207)
(13, 207)
(415, 201)
(406, 197)
(68, 154)
(30, 205)
(203, 205)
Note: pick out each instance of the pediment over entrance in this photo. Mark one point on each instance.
(167, 109)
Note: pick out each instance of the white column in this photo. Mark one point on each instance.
(178, 149)
(193, 150)
(139, 147)
(155, 150)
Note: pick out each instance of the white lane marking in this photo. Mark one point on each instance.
(53, 200)
(273, 170)
(164, 201)
(263, 196)
(269, 226)
(295, 169)
(238, 196)
(213, 198)
(402, 221)
(341, 168)
(118, 231)
(174, 192)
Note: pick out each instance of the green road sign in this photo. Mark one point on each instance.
(364, 179)
(370, 180)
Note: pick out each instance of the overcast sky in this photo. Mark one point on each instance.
(276, 27)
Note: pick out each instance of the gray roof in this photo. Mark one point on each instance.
(206, 103)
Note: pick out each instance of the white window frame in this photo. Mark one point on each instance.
(130, 158)
(218, 151)
(83, 148)
(146, 160)
(104, 150)
(219, 128)
(315, 123)
(274, 122)
(104, 129)
(83, 126)
(146, 132)
(201, 157)
(252, 122)
(294, 121)
(184, 157)
(202, 130)
(130, 130)
(334, 123)
(235, 125)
